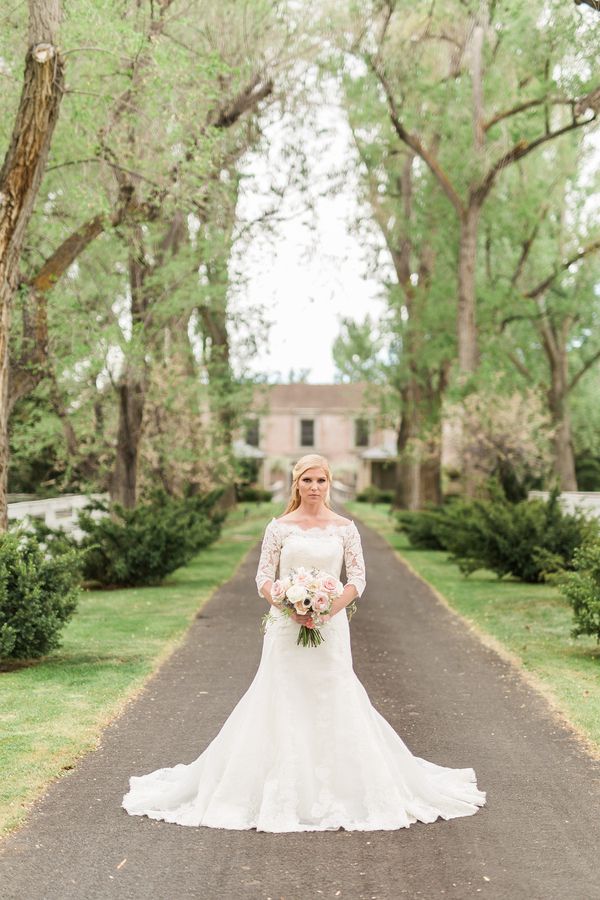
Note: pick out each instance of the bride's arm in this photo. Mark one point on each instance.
(355, 570)
(268, 562)
(347, 596)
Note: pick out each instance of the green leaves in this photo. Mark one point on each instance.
(582, 590)
(528, 540)
(38, 595)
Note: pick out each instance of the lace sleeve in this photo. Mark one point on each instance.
(269, 556)
(353, 559)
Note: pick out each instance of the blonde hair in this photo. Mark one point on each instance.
(310, 461)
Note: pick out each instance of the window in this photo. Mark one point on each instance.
(361, 433)
(252, 432)
(307, 432)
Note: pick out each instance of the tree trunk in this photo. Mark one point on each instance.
(20, 180)
(408, 467)
(132, 397)
(468, 351)
(217, 356)
(431, 479)
(133, 382)
(564, 455)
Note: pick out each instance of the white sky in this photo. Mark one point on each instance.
(312, 271)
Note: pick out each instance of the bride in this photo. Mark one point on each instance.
(304, 749)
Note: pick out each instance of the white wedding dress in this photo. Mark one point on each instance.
(304, 749)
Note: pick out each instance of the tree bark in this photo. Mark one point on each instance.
(408, 465)
(564, 454)
(431, 478)
(20, 179)
(133, 381)
(132, 397)
(468, 351)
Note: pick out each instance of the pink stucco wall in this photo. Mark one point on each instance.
(334, 409)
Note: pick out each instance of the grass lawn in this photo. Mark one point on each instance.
(52, 711)
(532, 621)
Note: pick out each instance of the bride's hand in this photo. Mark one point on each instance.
(303, 620)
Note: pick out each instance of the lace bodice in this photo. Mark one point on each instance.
(286, 545)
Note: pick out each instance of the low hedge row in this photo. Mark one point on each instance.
(533, 541)
(41, 572)
(38, 595)
(140, 546)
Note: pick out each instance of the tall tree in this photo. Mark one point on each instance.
(467, 96)
(404, 209)
(512, 113)
(551, 301)
(20, 179)
(167, 116)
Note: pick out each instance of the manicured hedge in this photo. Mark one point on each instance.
(528, 540)
(38, 595)
(140, 546)
(582, 590)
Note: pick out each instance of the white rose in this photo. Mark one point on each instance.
(296, 593)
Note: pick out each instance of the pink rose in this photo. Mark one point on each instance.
(321, 602)
(331, 585)
(277, 590)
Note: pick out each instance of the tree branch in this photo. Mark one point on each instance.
(585, 368)
(526, 247)
(545, 284)
(507, 113)
(593, 4)
(522, 368)
(247, 99)
(523, 148)
(414, 142)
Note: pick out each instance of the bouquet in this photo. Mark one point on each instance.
(307, 592)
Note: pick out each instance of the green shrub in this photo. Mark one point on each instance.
(373, 494)
(422, 527)
(528, 540)
(432, 528)
(140, 546)
(246, 493)
(582, 590)
(38, 595)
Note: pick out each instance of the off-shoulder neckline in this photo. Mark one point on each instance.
(313, 527)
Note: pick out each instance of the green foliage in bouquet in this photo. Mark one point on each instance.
(38, 595)
(582, 590)
(140, 546)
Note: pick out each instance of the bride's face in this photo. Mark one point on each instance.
(313, 485)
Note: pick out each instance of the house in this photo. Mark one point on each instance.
(336, 420)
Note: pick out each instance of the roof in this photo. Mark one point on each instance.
(287, 397)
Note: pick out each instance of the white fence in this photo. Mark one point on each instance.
(586, 501)
(57, 512)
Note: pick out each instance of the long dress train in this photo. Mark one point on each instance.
(304, 749)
